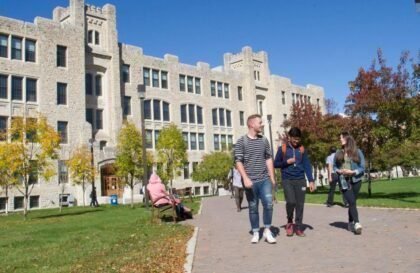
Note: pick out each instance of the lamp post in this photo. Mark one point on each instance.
(142, 94)
(92, 164)
(269, 117)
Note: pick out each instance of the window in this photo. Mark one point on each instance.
(214, 115)
(317, 102)
(90, 36)
(293, 98)
(18, 201)
(185, 138)
(226, 91)
(309, 99)
(187, 170)
(155, 78)
(30, 50)
(98, 85)
(34, 201)
(127, 105)
(197, 190)
(146, 76)
(17, 88)
(166, 115)
(97, 40)
(89, 115)
(125, 73)
(221, 117)
(228, 119)
(16, 48)
(241, 118)
(3, 86)
(33, 174)
(191, 113)
(181, 82)
(201, 142)
(3, 128)
(260, 108)
(31, 89)
(164, 79)
(223, 142)
(3, 202)
(156, 110)
(284, 116)
(190, 84)
(283, 97)
(230, 142)
(4, 44)
(99, 122)
(63, 173)
(216, 142)
(61, 93)
(199, 115)
(61, 56)
(31, 130)
(184, 113)
(149, 139)
(147, 109)
(62, 131)
(240, 93)
(88, 84)
(213, 88)
(206, 190)
(193, 141)
(157, 133)
(102, 145)
(197, 85)
(220, 90)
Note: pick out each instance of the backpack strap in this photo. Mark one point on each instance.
(284, 147)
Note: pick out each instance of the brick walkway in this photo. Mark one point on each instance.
(390, 241)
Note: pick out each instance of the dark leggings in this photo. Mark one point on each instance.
(351, 195)
(239, 196)
(294, 193)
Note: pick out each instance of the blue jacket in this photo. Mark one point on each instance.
(358, 167)
(290, 171)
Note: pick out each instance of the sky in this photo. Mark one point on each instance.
(321, 42)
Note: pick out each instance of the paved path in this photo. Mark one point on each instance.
(390, 241)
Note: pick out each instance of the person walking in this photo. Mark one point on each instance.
(255, 164)
(293, 160)
(238, 188)
(332, 178)
(93, 198)
(349, 164)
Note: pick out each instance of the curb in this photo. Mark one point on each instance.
(191, 251)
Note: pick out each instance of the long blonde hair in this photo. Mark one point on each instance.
(350, 148)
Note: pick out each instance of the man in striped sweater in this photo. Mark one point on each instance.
(255, 164)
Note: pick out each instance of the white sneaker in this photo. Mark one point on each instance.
(350, 226)
(269, 237)
(255, 237)
(357, 228)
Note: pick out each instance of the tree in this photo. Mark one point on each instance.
(8, 165)
(80, 167)
(214, 168)
(35, 143)
(129, 161)
(172, 152)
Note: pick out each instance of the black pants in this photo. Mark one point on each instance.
(239, 196)
(351, 196)
(294, 193)
(331, 192)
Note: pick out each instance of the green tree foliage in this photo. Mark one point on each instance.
(80, 167)
(129, 161)
(214, 168)
(172, 153)
(35, 145)
(8, 165)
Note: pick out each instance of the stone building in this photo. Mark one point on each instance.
(72, 69)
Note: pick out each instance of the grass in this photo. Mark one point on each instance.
(104, 239)
(400, 193)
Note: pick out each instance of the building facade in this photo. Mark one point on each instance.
(73, 70)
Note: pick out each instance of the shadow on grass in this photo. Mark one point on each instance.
(400, 196)
(73, 213)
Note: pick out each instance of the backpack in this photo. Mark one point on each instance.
(284, 147)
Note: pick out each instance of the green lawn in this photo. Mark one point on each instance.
(104, 239)
(400, 193)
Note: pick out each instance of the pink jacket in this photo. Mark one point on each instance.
(157, 190)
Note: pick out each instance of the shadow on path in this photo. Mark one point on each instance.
(341, 225)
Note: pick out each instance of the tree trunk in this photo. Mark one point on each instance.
(369, 179)
(25, 199)
(7, 200)
(83, 190)
(132, 192)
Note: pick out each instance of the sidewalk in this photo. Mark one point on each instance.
(390, 241)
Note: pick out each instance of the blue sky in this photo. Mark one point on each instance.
(322, 42)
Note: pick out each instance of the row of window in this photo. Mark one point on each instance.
(159, 78)
(193, 84)
(159, 109)
(222, 142)
(194, 141)
(222, 89)
(18, 84)
(95, 118)
(222, 117)
(16, 48)
(18, 202)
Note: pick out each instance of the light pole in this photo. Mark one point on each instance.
(142, 94)
(92, 165)
(269, 117)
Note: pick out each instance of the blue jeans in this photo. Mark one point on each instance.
(260, 190)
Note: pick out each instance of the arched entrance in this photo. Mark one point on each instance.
(110, 183)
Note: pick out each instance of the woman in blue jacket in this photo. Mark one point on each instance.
(349, 164)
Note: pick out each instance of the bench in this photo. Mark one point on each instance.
(159, 210)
